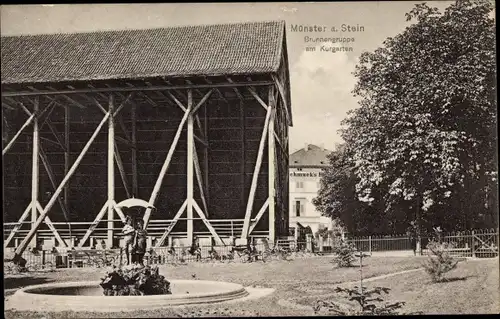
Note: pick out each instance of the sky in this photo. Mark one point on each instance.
(321, 82)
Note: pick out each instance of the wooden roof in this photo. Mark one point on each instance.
(207, 50)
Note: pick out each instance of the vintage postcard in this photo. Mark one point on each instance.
(249, 159)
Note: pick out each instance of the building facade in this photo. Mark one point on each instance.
(305, 170)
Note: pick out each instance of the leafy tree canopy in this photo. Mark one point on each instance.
(423, 143)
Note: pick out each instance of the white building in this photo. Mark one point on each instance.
(305, 170)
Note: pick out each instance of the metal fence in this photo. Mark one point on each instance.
(473, 243)
(470, 243)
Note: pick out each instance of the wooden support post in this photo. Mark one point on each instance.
(190, 162)
(164, 169)
(134, 153)
(53, 199)
(205, 157)
(271, 168)
(199, 177)
(67, 154)
(243, 154)
(255, 177)
(35, 171)
(111, 172)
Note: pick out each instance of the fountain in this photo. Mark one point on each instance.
(96, 296)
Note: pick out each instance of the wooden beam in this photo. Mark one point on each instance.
(134, 89)
(52, 179)
(259, 216)
(177, 101)
(164, 168)
(205, 153)
(124, 141)
(94, 224)
(243, 152)
(199, 139)
(255, 177)
(18, 225)
(50, 141)
(257, 97)
(35, 170)
(122, 105)
(119, 211)
(282, 94)
(23, 107)
(271, 168)
(135, 189)
(67, 98)
(7, 106)
(119, 163)
(93, 100)
(49, 224)
(111, 171)
(172, 225)
(14, 139)
(199, 178)
(202, 101)
(56, 135)
(67, 153)
(124, 129)
(207, 223)
(218, 91)
(52, 200)
(190, 161)
(198, 123)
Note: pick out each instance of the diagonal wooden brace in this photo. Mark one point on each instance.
(172, 225)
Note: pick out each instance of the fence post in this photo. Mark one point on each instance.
(370, 244)
(473, 245)
(43, 257)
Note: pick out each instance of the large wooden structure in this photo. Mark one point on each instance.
(193, 120)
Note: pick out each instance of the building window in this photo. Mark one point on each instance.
(298, 207)
(299, 185)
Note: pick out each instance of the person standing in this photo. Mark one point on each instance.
(141, 236)
(129, 234)
(411, 232)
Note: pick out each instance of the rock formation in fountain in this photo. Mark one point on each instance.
(135, 280)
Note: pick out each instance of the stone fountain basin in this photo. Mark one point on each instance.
(88, 296)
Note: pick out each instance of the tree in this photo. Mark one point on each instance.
(338, 200)
(423, 141)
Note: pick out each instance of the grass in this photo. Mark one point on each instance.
(291, 279)
(472, 288)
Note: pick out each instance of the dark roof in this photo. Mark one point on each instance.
(242, 48)
(314, 156)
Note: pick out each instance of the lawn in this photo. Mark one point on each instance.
(300, 278)
(471, 288)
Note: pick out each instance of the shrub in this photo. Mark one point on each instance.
(344, 254)
(367, 302)
(439, 261)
